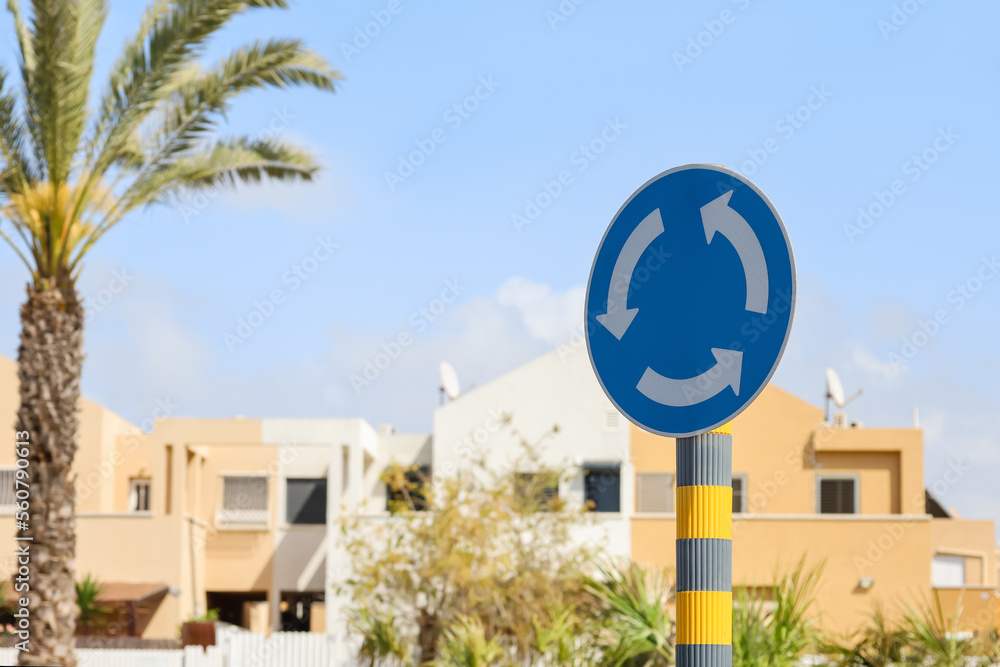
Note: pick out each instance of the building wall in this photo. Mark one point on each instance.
(558, 389)
(783, 447)
(847, 549)
(972, 539)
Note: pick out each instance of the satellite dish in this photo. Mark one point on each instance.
(834, 388)
(835, 392)
(449, 380)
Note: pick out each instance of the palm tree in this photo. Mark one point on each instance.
(70, 173)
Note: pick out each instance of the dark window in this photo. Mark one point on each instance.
(305, 501)
(412, 496)
(603, 487)
(139, 495)
(739, 496)
(836, 496)
(536, 491)
(296, 608)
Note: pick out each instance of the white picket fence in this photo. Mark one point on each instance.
(102, 657)
(234, 648)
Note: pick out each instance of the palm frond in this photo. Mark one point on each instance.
(26, 55)
(172, 35)
(200, 97)
(63, 37)
(18, 167)
(226, 163)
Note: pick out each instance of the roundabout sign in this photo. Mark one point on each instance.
(690, 300)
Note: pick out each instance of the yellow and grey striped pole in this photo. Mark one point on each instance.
(705, 549)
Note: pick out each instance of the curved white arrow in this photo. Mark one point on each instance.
(619, 315)
(682, 393)
(717, 216)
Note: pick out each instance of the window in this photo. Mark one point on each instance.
(838, 495)
(536, 491)
(654, 492)
(244, 501)
(611, 420)
(408, 493)
(948, 571)
(739, 494)
(138, 494)
(602, 484)
(305, 500)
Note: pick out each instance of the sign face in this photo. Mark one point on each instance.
(690, 300)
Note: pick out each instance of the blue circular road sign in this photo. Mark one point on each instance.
(690, 300)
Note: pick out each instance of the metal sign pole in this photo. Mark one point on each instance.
(705, 549)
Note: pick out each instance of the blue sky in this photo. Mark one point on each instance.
(881, 92)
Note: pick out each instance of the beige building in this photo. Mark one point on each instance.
(240, 514)
(849, 496)
(227, 514)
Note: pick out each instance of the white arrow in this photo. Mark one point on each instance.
(717, 216)
(619, 315)
(682, 393)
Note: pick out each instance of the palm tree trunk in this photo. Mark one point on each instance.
(50, 361)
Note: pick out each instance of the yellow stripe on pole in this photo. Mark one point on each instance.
(725, 429)
(704, 617)
(704, 511)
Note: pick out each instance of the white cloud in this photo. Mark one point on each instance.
(868, 363)
(142, 350)
(548, 315)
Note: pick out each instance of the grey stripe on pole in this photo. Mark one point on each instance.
(705, 460)
(704, 655)
(704, 564)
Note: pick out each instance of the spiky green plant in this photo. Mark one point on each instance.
(880, 644)
(464, 644)
(87, 591)
(554, 635)
(778, 633)
(935, 634)
(634, 602)
(380, 640)
(69, 173)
